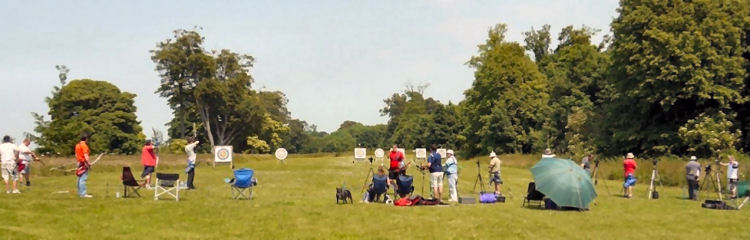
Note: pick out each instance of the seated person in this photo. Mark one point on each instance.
(404, 183)
(378, 187)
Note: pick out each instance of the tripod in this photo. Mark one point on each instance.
(652, 193)
(716, 185)
(371, 173)
(595, 176)
(479, 179)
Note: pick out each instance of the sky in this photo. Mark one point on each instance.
(334, 60)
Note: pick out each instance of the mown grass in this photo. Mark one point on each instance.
(297, 200)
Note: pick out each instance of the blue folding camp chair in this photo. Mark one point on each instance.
(405, 185)
(242, 186)
(379, 187)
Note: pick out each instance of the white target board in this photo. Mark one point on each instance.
(402, 150)
(222, 154)
(421, 152)
(280, 154)
(442, 153)
(360, 153)
(379, 153)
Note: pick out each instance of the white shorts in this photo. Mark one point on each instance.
(9, 172)
(436, 179)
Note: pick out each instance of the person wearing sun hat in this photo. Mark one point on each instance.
(451, 170)
(548, 153)
(494, 168)
(629, 166)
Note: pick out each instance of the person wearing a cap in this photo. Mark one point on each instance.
(451, 170)
(548, 153)
(692, 173)
(629, 166)
(495, 172)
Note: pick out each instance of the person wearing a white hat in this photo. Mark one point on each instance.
(548, 153)
(494, 168)
(451, 170)
(629, 166)
(692, 171)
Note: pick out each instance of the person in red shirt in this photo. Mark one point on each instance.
(148, 159)
(397, 160)
(629, 166)
(82, 155)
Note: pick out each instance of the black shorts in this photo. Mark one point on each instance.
(495, 178)
(147, 170)
(393, 173)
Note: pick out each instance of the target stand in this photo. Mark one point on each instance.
(223, 154)
(281, 155)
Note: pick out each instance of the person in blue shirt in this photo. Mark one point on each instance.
(435, 165)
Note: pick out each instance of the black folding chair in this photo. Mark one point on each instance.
(169, 184)
(533, 195)
(130, 183)
(405, 185)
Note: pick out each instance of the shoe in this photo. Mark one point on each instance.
(87, 196)
(15, 191)
(28, 183)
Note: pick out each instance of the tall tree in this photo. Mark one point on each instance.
(538, 42)
(505, 105)
(94, 107)
(673, 62)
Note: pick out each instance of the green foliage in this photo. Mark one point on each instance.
(506, 105)
(94, 107)
(256, 145)
(673, 61)
(708, 133)
(177, 145)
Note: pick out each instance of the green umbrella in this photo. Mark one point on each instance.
(566, 183)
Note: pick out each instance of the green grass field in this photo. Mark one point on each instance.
(297, 200)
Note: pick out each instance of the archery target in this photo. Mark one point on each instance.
(379, 153)
(442, 153)
(360, 153)
(223, 154)
(421, 152)
(281, 154)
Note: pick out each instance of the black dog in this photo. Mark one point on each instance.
(343, 194)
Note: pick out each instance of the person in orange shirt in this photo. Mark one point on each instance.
(82, 155)
(148, 159)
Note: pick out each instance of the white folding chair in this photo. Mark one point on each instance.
(169, 184)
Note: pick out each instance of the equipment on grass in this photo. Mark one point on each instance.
(652, 193)
(485, 197)
(129, 182)
(367, 177)
(479, 180)
(717, 176)
(169, 184)
(533, 195)
(242, 186)
(467, 200)
(595, 175)
(565, 182)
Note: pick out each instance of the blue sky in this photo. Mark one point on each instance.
(335, 60)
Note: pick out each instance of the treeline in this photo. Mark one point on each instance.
(672, 79)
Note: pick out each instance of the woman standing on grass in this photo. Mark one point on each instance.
(452, 173)
(629, 166)
(190, 170)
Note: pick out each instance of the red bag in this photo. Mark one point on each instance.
(21, 166)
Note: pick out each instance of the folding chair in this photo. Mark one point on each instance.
(405, 185)
(129, 183)
(242, 186)
(167, 183)
(533, 195)
(379, 187)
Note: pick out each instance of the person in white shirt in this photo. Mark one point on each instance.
(451, 170)
(26, 156)
(8, 156)
(190, 170)
(732, 168)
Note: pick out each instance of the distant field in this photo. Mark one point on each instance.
(297, 201)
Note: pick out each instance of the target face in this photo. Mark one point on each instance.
(281, 154)
(379, 153)
(442, 153)
(421, 152)
(360, 153)
(223, 154)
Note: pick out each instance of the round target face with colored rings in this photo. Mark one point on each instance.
(360, 153)
(281, 154)
(223, 154)
(379, 153)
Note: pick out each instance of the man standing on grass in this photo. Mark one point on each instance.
(148, 159)
(82, 156)
(732, 179)
(397, 159)
(191, 156)
(435, 165)
(451, 169)
(494, 168)
(26, 156)
(8, 156)
(693, 172)
(629, 167)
